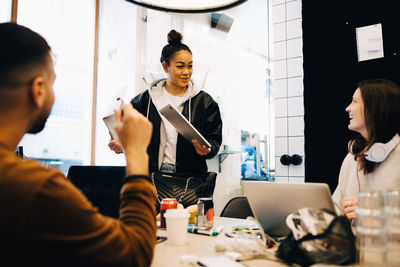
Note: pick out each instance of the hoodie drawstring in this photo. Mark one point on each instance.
(190, 115)
(148, 108)
(190, 101)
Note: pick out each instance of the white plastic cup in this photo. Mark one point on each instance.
(177, 226)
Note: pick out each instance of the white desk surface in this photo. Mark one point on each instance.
(167, 255)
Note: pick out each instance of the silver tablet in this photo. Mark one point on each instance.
(182, 125)
(110, 123)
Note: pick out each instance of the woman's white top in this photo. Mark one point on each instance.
(171, 132)
(385, 176)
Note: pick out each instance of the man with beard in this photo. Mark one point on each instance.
(45, 220)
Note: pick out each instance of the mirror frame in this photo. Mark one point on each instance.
(197, 8)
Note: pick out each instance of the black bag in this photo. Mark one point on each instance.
(185, 187)
(336, 245)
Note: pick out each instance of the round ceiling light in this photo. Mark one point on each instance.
(188, 6)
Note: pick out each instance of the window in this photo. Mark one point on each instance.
(68, 26)
(116, 70)
(5, 10)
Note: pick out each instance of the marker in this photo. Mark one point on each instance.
(205, 232)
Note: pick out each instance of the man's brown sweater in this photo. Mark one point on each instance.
(46, 221)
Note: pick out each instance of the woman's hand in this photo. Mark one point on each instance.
(201, 150)
(115, 146)
(349, 205)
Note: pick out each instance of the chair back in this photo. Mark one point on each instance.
(101, 185)
(177, 185)
(237, 207)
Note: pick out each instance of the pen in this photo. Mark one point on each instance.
(205, 232)
(122, 102)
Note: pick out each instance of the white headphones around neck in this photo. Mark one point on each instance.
(378, 152)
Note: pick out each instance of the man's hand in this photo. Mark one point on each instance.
(201, 150)
(134, 132)
(349, 205)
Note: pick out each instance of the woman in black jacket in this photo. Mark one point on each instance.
(168, 150)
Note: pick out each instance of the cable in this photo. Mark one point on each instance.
(249, 245)
(358, 178)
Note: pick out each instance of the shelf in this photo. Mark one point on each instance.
(222, 155)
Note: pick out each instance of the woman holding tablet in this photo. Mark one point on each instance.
(168, 150)
(374, 155)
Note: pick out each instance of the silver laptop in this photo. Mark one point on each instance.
(272, 202)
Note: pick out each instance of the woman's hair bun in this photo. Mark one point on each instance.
(174, 37)
(174, 45)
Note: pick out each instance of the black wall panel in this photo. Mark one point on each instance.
(332, 70)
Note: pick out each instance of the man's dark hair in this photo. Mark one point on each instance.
(22, 51)
(244, 135)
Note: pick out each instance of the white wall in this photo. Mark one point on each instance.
(5, 10)
(288, 87)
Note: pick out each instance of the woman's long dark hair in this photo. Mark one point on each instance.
(381, 100)
(174, 45)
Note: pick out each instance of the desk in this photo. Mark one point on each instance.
(166, 255)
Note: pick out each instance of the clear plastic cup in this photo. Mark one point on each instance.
(392, 227)
(370, 228)
(177, 226)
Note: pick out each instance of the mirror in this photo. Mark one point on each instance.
(185, 6)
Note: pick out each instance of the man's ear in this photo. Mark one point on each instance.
(37, 91)
(165, 66)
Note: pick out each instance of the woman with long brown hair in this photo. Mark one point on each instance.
(373, 161)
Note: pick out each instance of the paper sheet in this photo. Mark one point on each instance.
(369, 42)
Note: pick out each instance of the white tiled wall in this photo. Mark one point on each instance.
(288, 87)
(281, 127)
(280, 69)
(281, 107)
(293, 10)
(294, 86)
(280, 88)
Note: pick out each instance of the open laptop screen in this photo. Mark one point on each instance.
(101, 185)
(272, 202)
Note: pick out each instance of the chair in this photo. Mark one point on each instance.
(172, 185)
(101, 185)
(237, 207)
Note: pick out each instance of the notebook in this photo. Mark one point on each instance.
(182, 125)
(272, 202)
(101, 185)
